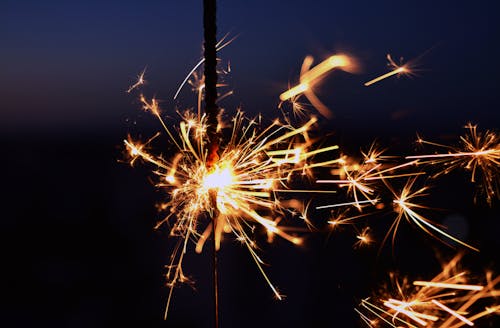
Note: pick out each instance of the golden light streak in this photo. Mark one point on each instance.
(296, 90)
(399, 70)
(409, 314)
(453, 313)
(357, 203)
(396, 70)
(416, 314)
(312, 76)
(447, 285)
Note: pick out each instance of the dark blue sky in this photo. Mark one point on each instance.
(65, 64)
(77, 229)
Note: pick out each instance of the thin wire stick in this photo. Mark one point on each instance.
(212, 111)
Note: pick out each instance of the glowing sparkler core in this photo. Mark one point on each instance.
(219, 178)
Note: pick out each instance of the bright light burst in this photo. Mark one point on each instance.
(478, 152)
(449, 300)
(241, 188)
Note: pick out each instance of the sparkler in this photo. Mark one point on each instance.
(396, 70)
(235, 184)
(478, 152)
(245, 180)
(449, 300)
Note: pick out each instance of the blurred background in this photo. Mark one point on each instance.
(78, 245)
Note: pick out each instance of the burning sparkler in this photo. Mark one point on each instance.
(478, 152)
(246, 179)
(448, 300)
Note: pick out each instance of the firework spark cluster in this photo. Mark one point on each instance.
(477, 152)
(452, 299)
(370, 189)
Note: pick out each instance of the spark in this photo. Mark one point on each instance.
(399, 70)
(223, 42)
(429, 303)
(396, 70)
(299, 109)
(364, 238)
(453, 313)
(343, 219)
(406, 207)
(356, 203)
(478, 152)
(447, 285)
(140, 81)
(312, 76)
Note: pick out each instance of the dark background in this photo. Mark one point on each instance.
(77, 241)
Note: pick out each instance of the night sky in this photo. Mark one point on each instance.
(77, 239)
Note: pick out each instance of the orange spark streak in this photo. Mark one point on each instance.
(399, 70)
